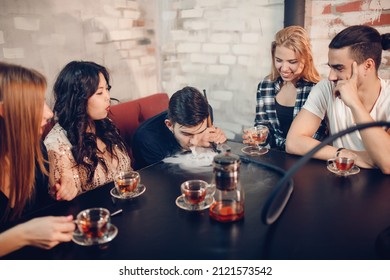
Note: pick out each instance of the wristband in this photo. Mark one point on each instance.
(339, 150)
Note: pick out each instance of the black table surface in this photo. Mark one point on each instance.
(327, 217)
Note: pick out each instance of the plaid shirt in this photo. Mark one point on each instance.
(266, 111)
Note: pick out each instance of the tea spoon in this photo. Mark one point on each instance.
(116, 212)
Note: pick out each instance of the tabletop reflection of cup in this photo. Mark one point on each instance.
(343, 162)
(196, 191)
(93, 223)
(127, 182)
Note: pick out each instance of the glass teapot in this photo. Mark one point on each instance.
(229, 194)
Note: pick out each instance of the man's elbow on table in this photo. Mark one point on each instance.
(292, 144)
(385, 168)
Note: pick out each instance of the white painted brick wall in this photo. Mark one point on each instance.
(193, 13)
(179, 35)
(229, 25)
(57, 32)
(234, 32)
(220, 38)
(245, 60)
(137, 52)
(132, 5)
(124, 53)
(125, 23)
(147, 60)
(1, 37)
(133, 63)
(245, 49)
(197, 37)
(193, 68)
(250, 38)
(196, 24)
(49, 39)
(218, 69)
(126, 34)
(119, 3)
(228, 59)
(203, 58)
(25, 23)
(95, 37)
(107, 23)
(188, 47)
(111, 11)
(222, 95)
(131, 14)
(13, 53)
(209, 3)
(127, 45)
(168, 16)
(215, 48)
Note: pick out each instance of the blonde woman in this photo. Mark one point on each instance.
(281, 95)
(23, 172)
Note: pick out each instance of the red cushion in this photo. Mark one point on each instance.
(152, 105)
(127, 116)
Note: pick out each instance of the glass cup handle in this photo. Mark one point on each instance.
(77, 232)
(330, 161)
(210, 190)
(267, 140)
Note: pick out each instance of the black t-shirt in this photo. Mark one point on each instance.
(153, 141)
(40, 198)
(285, 117)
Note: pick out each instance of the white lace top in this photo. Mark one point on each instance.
(63, 164)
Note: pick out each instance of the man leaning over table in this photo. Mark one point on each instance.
(353, 94)
(184, 125)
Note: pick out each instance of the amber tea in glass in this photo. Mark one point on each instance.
(126, 182)
(94, 222)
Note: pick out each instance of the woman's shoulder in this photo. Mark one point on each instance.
(56, 137)
(267, 83)
(267, 79)
(305, 83)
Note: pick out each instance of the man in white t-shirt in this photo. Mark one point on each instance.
(353, 94)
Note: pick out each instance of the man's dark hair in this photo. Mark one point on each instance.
(364, 42)
(188, 107)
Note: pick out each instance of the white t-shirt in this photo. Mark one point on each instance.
(322, 101)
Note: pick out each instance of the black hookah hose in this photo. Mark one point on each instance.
(280, 195)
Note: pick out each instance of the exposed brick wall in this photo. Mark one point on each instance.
(324, 19)
(47, 34)
(222, 46)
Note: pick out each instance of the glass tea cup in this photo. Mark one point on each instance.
(256, 139)
(126, 182)
(93, 223)
(344, 162)
(195, 192)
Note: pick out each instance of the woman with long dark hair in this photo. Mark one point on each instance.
(85, 148)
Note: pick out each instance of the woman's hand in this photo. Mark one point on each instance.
(247, 138)
(64, 190)
(47, 232)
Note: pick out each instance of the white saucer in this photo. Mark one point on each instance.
(332, 168)
(254, 151)
(78, 238)
(197, 207)
(137, 192)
